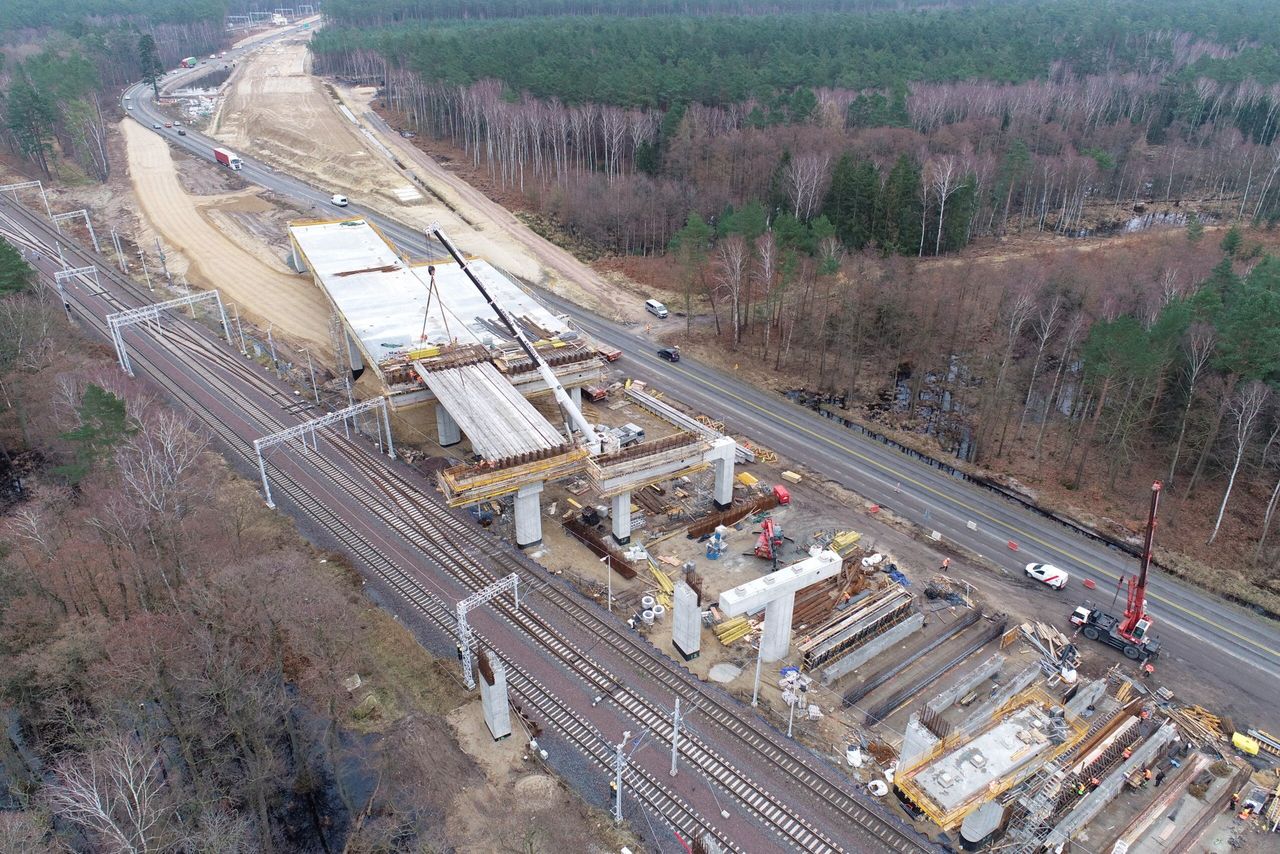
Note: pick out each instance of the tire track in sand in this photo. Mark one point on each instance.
(292, 303)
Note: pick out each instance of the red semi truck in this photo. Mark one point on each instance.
(227, 158)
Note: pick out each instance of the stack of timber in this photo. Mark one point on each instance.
(1197, 723)
(849, 628)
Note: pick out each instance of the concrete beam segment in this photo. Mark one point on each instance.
(575, 394)
(982, 714)
(917, 741)
(1092, 804)
(1087, 695)
(721, 455)
(869, 650)
(967, 683)
(750, 597)
(528, 515)
(493, 698)
(686, 621)
(776, 593)
(620, 515)
(446, 427)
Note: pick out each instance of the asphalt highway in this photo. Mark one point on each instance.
(1234, 652)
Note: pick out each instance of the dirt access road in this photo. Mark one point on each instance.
(276, 110)
(263, 292)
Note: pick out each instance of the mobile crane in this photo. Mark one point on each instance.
(590, 436)
(1131, 633)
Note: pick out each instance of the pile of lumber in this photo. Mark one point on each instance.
(1197, 723)
(734, 629)
(1044, 637)
(665, 585)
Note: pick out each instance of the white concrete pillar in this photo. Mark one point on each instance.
(575, 394)
(686, 621)
(497, 709)
(721, 455)
(775, 639)
(620, 516)
(448, 429)
(528, 515)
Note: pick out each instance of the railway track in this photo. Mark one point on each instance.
(439, 535)
(557, 714)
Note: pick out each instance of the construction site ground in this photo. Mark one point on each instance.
(218, 233)
(257, 281)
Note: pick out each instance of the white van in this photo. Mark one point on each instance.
(655, 308)
(340, 201)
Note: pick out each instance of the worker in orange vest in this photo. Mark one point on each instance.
(1146, 775)
(946, 564)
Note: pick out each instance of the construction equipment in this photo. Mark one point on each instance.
(769, 541)
(1131, 633)
(590, 437)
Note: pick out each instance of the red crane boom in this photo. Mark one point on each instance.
(1136, 622)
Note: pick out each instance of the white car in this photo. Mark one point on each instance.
(340, 201)
(1048, 574)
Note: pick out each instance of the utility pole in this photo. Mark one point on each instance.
(272, 343)
(142, 257)
(163, 265)
(675, 736)
(312, 369)
(755, 688)
(244, 351)
(619, 760)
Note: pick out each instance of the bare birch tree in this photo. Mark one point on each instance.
(731, 256)
(1200, 342)
(1046, 324)
(1246, 406)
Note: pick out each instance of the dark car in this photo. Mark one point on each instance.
(182, 132)
(671, 354)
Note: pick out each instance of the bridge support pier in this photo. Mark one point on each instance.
(620, 516)
(448, 429)
(721, 455)
(529, 515)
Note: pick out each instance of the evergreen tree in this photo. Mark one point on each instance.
(15, 274)
(30, 116)
(898, 221)
(1195, 229)
(851, 201)
(1231, 241)
(103, 425)
(149, 59)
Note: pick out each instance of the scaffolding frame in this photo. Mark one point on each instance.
(466, 638)
(301, 431)
(27, 185)
(121, 319)
(58, 219)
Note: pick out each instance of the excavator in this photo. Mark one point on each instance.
(1131, 633)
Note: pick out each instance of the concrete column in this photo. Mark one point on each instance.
(775, 639)
(620, 515)
(446, 427)
(917, 741)
(497, 709)
(721, 455)
(686, 621)
(528, 515)
(575, 394)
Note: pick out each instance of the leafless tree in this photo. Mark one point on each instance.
(1200, 342)
(114, 794)
(731, 258)
(805, 174)
(1246, 407)
(944, 179)
(1046, 324)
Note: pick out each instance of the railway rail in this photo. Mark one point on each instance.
(474, 558)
